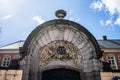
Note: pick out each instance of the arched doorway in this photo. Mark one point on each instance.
(59, 43)
(60, 74)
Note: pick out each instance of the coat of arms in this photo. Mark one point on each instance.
(59, 50)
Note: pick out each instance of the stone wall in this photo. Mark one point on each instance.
(110, 75)
(11, 74)
(81, 51)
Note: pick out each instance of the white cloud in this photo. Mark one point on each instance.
(38, 19)
(6, 17)
(108, 22)
(9, 6)
(105, 23)
(74, 19)
(117, 22)
(112, 7)
(97, 5)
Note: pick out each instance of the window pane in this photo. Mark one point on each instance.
(111, 57)
(108, 57)
(112, 60)
(6, 61)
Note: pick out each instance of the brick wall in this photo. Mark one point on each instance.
(117, 58)
(10, 54)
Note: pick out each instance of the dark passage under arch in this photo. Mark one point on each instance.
(60, 74)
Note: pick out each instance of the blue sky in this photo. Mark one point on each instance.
(19, 17)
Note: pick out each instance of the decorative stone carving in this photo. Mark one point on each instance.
(60, 50)
(60, 43)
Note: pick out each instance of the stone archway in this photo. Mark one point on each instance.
(61, 43)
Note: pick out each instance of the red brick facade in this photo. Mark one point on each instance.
(12, 56)
(116, 55)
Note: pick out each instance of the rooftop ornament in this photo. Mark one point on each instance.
(60, 14)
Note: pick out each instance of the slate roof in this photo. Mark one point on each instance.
(102, 43)
(14, 45)
(109, 43)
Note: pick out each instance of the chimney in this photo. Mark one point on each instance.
(104, 37)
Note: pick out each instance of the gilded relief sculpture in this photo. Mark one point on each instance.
(60, 50)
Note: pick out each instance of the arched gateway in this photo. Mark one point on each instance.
(61, 50)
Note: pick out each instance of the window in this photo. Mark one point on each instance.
(6, 61)
(111, 60)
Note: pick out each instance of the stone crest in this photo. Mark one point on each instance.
(60, 50)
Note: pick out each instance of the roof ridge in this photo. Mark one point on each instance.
(13, 43)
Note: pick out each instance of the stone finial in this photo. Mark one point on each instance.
(60, 14)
